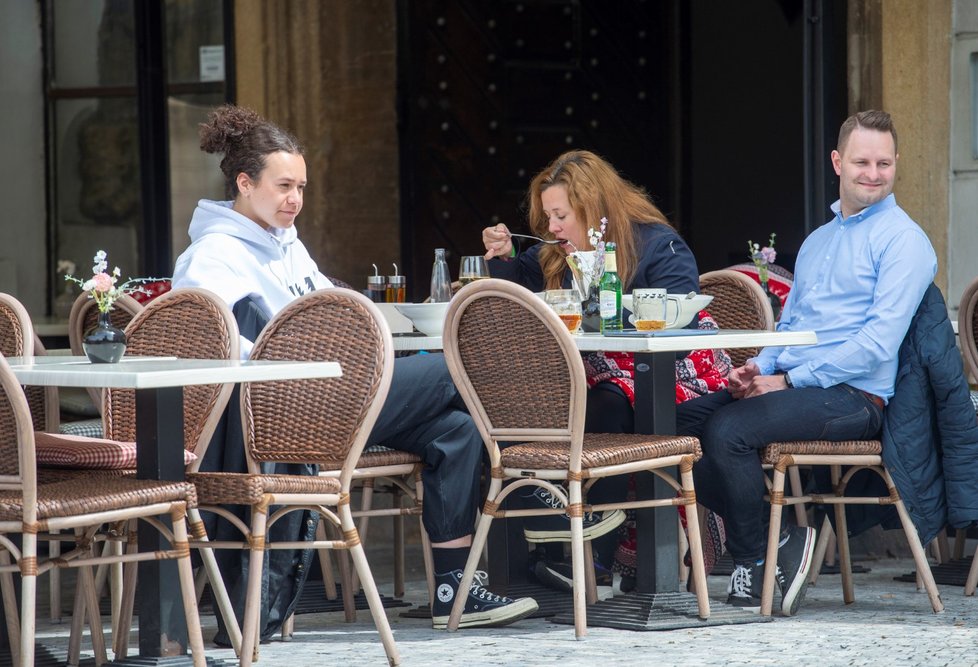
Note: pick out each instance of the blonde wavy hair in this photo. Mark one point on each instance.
(595, 190)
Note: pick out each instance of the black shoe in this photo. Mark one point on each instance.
(744, 589)
(794, 562)
(483, 608)
(556, 527)
(560, 576)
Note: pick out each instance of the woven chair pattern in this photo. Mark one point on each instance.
(525, 389)
(187, 323)
(96, 493)
(18, 340)
(240, 489)
(968, 328)
(775, 450)
(311, 428)
(599, 449)
(738, 303)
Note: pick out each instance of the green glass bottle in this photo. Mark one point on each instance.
(609, 292)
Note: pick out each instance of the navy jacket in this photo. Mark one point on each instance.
(930, 431)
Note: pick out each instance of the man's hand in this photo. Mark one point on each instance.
(764, 384)
(497, 241)
(739, 378)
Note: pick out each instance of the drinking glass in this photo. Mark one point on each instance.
(567, 304)
(650, 309)
(473, 268)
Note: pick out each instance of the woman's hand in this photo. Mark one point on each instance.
(497, 241)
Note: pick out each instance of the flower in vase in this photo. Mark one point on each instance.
(762, 257)
(103, 286)
(587, 266)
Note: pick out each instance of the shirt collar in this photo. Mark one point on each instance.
(887, 202)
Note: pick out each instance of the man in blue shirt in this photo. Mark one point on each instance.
(858, 281)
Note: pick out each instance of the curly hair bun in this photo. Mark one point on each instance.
(226, 125)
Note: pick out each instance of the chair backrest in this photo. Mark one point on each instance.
(324, 420)
(17, 339)
(738, 303)
(84, 316)
(190, 323)
(968, 329)
(516, 366)
(17, 462)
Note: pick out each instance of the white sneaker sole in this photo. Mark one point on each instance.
(608, 523)
(791, 600)
(510, 613)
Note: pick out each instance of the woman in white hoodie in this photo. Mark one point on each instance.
(248, 252)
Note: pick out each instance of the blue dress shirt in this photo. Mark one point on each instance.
(857, 284)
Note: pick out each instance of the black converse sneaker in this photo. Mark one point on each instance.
(556, 527)
(744, 589)
(795, 555)
(483, 608)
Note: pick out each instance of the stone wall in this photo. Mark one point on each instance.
(327, 71)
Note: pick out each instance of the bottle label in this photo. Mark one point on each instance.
(609, 304)
(610, 262)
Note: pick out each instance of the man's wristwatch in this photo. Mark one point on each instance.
(787, 381)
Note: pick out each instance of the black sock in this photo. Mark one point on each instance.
(447, 560)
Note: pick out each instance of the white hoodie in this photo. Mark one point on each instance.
(234, 257)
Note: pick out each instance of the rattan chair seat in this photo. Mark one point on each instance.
(774, 451)
(95, 494)
(377, 459)
(600, 449)
(220, 488)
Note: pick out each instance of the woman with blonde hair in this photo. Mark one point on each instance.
(567, 201)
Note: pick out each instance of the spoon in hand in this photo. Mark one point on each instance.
(547, 241)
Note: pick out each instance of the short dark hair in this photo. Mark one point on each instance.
(245, 139)
(867, 120)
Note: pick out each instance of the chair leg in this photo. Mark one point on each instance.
(919, 556)
(683, 547)
(590, 581)
(972, 582)
(346, 579)
(794, 479)
(825, 538)
(842, 542)
(54, 579)
(218, 590)
(429, 563)
(695, 541)
(123, 622)
(181, 543)
(326, 568)
(28, 591)
(773, 537)
(11, 613)
(575, 509)
(256, 557)
(398, 544)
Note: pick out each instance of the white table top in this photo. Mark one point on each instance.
(157, 372)
(593, 342)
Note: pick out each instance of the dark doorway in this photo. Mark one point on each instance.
(707, 105)
(493, 91)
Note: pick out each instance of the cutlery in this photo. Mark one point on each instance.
(547, 241)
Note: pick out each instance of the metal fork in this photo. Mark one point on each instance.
(547, 241)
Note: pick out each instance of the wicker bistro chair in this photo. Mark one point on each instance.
(968, 341)
(522, 378)
(738, 303)
(323, 421)
(854, 455)
(17, 339)
(28, 511)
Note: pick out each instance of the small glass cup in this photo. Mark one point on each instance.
(567, 304)
(473, 268)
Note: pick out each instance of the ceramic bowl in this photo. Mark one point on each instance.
(428, 318)
(688, 308)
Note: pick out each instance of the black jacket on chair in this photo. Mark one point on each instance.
(930, 433)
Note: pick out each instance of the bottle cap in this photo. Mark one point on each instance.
(376, 281)
(396, 280)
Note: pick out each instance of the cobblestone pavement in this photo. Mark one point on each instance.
(890, 623)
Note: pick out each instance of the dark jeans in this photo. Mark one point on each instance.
(425, 415)
(729, 479)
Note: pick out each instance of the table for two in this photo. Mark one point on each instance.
(158, 384)
(655, 366)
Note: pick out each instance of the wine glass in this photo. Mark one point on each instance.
(473, 268)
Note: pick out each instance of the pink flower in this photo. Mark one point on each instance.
(102, 282)
(768, 255)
